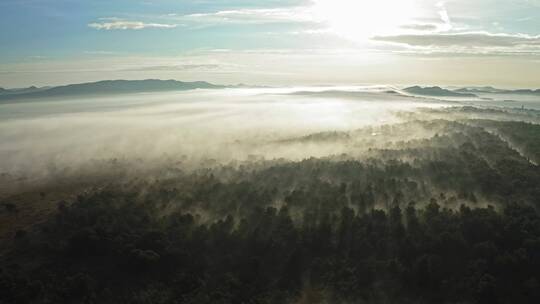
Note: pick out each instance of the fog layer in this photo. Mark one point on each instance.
(227, 124)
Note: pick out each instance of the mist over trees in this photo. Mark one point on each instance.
(439, 207)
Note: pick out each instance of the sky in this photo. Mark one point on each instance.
(272, 42)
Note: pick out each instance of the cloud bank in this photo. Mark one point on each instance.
(128, 25)
(472, 39)
(477, 43)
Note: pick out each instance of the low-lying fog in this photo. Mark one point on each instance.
(221, 124)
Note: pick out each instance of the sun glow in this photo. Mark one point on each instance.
(359, 20)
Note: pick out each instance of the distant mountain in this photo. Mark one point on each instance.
(479, 90)
(524, 91)
(492, 90)
(31, 89)
(436, 92)
(107, 87)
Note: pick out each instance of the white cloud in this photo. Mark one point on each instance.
(443, 13)
(177, 67)
(355, 21)
(116, 24)
(469, 39)
(273, 15)
(421, 27)
(467, 43)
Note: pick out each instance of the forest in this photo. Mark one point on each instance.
(442, 207)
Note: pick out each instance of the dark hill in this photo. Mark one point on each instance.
(108, 87)
(498, 91)
(436, 92)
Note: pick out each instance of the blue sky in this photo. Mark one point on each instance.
(47, 42)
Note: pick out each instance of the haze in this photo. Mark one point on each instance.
(270, 151)
(224, 124)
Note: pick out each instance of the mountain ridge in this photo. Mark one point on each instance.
(105, 87)
(436, 92)
(493, 90)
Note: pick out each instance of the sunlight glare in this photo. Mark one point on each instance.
(358, 20)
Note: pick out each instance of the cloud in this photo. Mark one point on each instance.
(252, 16)
(470, 39)
(116, 24)
(177, 67)
(420, 27)
(464, 43)
(443, 12)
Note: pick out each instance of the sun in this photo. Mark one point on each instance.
(358, 20)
